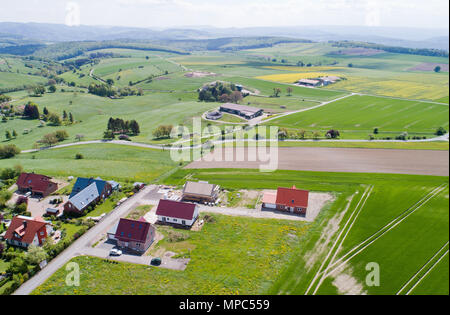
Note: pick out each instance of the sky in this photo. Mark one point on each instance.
(229, 13)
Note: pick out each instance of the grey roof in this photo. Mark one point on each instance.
(85, 197)
(241, 108)
(203, 189)
(113, 229)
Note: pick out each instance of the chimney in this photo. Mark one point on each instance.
(25, 224)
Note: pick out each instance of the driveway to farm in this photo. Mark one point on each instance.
(83, 246)
(417, 162)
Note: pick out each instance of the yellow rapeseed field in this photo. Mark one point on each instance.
(293, 77)
(304, 69)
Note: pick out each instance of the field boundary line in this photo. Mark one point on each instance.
(324, 273)
(319, 272)
(397, 221)
(428, 272)
(423, 268)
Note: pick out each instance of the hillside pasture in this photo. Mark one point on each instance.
(91, 114)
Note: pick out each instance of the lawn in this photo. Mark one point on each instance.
(139, 212)
(357, 116)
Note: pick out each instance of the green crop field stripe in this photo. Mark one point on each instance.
(428, 272)
(386, 229)
(424, 267)
(358, 211)
(319, 272)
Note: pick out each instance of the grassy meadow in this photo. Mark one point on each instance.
(122, 163)
(357, 116)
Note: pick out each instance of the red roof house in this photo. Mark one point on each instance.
(38, 185)
(135, 235)
(175, 212)
(25, 231)
(291, 200)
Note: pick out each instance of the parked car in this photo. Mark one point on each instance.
(115, 252)
(156, 262)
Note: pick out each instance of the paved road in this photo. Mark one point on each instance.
(79, 246)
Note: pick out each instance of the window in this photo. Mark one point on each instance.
(121, 234)
(175, 220)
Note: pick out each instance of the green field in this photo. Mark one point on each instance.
(217, 265)
(117, 162)
(401, 251)
(92, 113)
(357, 116)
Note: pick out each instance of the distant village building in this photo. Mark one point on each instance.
(174, 212)
(25, 231)
(200, 192)
(134, 235)
(290, 200)
(38, 185)
(247, 112)
(86, 192)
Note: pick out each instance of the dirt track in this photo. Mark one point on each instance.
(420, 162)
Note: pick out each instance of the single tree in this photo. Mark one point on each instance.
(289, 91)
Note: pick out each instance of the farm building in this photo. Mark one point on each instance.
(38, 185)
(200, 192)
(248, 112)
(309, 82)
(134, 235)
(175, 212)
(329, 80)
(214, 115)
(86, 192)
(25, 231)
(291, 200)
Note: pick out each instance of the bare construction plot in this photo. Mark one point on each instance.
(417, 162)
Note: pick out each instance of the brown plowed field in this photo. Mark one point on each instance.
(419, 162)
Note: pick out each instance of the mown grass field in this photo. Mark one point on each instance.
(219, 266)
(12, 80)
(357, 117)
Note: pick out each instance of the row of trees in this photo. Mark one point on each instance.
(107, 90)
(118, 126)
(302, 134)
